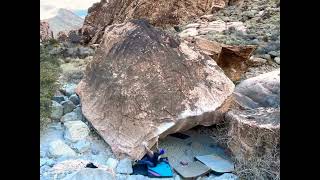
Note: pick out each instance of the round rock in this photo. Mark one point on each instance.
(76, 130)
(58, 148)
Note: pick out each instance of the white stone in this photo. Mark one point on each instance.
(112, 163)
(76, 130)
(189, 32)
(193, 25)
(58, 148)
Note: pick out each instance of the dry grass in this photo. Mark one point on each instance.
(257, 159)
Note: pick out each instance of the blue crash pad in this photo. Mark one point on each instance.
(163, 169)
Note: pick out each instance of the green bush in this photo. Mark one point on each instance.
(49, 73)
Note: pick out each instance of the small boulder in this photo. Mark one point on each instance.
(58, 99)
(76, 130)
(124, 166)
(75, 99)
(68, 106)
(72, 116)
(274, 54)
(112, 163)
(190, 32)
(208, 17)
(277, 60)
(256, 61)
(58, 148)
(193, 25)
(57, 110)
(263, 90)
(69, 89)
(265, 56)
(81, 146)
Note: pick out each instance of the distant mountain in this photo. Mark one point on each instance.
(65, 20)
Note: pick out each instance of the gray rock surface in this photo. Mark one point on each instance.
(57, 110)
(68, 106)
(71, 116)
(58, 99)
(75, 99)
(124, 166)
(81, 146)
(91, 174)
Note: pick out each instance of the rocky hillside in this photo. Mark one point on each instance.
(162, 13)
(65, 21)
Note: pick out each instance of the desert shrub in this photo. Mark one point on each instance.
(49, 72)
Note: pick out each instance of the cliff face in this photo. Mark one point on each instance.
(157, 12)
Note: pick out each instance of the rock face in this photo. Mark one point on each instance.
(45, 32)
(159, 13)
(143, 83)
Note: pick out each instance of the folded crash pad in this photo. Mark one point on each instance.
(163, 169)
(216, 163)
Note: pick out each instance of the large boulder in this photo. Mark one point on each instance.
(143, 83)
(259, 91)
(45, 31)
(159, 13)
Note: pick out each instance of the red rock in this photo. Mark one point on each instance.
(144, 83)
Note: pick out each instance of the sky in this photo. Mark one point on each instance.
(49, 8)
